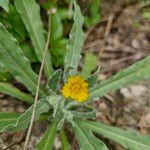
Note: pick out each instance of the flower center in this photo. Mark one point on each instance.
(75, 88)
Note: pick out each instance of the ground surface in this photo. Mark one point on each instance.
(128, 40)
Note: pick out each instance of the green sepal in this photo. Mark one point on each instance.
(93, 79)
(54, 101)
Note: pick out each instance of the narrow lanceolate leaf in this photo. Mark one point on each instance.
(13, 59)
(9, 89)
(49, 136)
(7, 119)
(56, 27)
(5, 5)
(87, 140)
(75, 42)
(90, 64)
(138, 71)
(23, 121)
(64, 141)
(53, 81)
(30, 14)
(130, 140)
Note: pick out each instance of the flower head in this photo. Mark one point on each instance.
(75, 88)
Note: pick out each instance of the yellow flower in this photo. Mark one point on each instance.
(75, 88)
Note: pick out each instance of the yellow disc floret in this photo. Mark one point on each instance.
(75, 88)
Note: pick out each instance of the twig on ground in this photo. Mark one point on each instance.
(88, 32)
(92, 44)
(106, 34)
(39, 79)
(19, 138)
(90, 29)
(12, 145)
(110, 98)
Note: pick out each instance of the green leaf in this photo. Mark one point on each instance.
(146, 15)
(75, 43)
(64, 141)
(64, 13)
(57, 49)
(136, 72)
(130, 140)
(47, 5)
(15, 25)
(89, 115)
(94, 16)
(56, 26)
(90, 64)
(49, 136)
(7, 119)
(13, 59)
(29, 52)
(4, 74)
(7, 88)
(86, 139)
(53, 81)
(30, 14)
(5, 5)
(23, 121)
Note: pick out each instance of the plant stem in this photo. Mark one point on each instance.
(38, 86)
(70, 9)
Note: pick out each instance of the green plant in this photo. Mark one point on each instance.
(58, 110)
(94, 14)
(5, 5)
(144, 8)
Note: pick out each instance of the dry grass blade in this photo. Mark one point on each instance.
(38, 84)
(106, 34)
